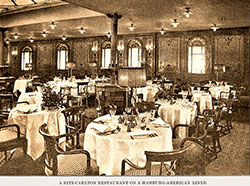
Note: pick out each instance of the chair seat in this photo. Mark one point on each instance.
(6, 135)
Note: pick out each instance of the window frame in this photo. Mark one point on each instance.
(196, 42)
(105, 45)
(134, 44)
(62, 47)
(26, 49)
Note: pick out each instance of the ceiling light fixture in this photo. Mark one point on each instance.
(131, 28)
(214, 27)
(44, 34)
(7, 41)
(52, 25)
(31, 40)
(82, 30)
(16, 36)
(108, 35)
(187, 12)
(64, 38)
(175, 23)
(162, 31)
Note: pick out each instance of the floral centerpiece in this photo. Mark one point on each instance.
(52, 98)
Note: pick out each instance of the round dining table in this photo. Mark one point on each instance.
(110, 150)
(29, 124)
(181, 112)
(204, 100)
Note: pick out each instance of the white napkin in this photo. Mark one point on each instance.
(159, 122)
(142, 134)
(26, 108)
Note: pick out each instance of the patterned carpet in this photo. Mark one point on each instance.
(232, 160)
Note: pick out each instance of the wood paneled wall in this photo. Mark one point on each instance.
(168, 56)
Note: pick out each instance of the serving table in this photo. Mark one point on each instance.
(110, 150)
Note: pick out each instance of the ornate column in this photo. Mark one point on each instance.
(114, 27)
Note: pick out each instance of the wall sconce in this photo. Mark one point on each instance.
(64, 38)
(94, 46)
(219, 68)
(52, 25)
(187, 12)
(162, 31)
(131, 28)
(120, 46)
(108, 35)
(82, 30)
(14, 51)
(149, 45)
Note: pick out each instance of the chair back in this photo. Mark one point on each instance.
(189, 160)
(50, 152)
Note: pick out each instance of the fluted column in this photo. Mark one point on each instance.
(1, 46)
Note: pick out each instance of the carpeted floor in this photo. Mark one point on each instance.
(232, 160)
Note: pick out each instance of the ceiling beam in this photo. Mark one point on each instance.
(58, 13)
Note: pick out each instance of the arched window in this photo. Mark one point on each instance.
(134, 53)
(196, 56)
(106, 54)
(26, 58)
(62, 56)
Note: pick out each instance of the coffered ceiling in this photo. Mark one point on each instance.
(147, 16)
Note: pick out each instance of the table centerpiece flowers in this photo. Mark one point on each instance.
(52, 98)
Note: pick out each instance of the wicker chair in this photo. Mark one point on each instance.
(11, 139)
(189, 159)
(60, 162)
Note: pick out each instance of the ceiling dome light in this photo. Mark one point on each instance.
(82, 30)
(108, 35)
(31, 40)
(131, 28)
(7, 41)
(44, 34)
(214, 27)
(52, 25)
(16, 36)
(162, 31)
(187, 12)
(175, 23)
(64, 38)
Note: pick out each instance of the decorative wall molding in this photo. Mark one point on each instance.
(169, 54)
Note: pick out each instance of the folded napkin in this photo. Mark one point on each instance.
(104, 126)
(142, 134)
(26, 108)
(159, 123)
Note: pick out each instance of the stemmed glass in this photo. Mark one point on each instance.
(112, 110)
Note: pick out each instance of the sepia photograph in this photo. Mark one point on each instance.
(124, 92)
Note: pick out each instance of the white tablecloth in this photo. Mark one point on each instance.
(215, 91)
(204, 100)
(148, 92)
(110, 150)
(20, 85)
(178, 113)
(30, 123)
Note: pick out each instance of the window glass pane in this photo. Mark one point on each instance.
(26, 58)
(62, 58)
(134, 57)
(196, 60)
(106, 57)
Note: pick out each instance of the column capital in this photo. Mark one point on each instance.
(3, 29)
(115, 15)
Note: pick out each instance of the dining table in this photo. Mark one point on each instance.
(215, 90)
(148, 92)
(30, 118)
(204, 100)
(181, 111)
(111, 148)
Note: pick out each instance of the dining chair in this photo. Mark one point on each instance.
(82, 91)
(60, 162)
(189, 159)
(75, 123)
(10, 139)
